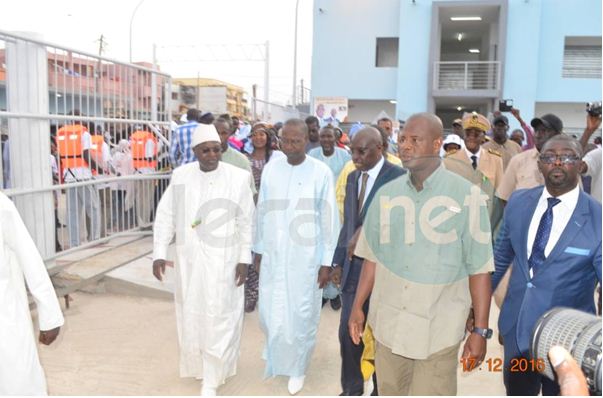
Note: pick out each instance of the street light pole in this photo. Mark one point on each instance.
(131, 21)
(294, 99)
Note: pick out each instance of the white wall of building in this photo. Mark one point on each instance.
(212, 99)
(572, 114)
(367, 110)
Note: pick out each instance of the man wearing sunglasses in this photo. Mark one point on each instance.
(552, 235)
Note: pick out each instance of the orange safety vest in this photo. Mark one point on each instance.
(96, 149)
(69, 146)
(138, 141)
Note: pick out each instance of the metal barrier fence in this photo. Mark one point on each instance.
(271, 112)
(83, 137)
(91, 212)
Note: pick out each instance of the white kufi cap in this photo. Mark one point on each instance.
(204, 133)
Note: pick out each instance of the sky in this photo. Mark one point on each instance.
(192, 36)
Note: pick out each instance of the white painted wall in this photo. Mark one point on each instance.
(366, 111)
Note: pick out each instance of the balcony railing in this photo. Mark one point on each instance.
(472, 75)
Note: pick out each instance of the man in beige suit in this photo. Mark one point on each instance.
(483, 167)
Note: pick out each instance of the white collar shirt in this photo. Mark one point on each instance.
(372, 177)
(562, 213)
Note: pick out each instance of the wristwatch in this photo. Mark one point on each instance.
(485, 333)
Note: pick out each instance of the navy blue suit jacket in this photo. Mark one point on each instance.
(567, 278)
(352, 221)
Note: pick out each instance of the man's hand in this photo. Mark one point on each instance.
(352, 243)
(515, 113)
(570, 377)
(335, 276)
(257, 261)
(241, 273)
(159, 269)
(592, 123)
(48, 336)
(323, 276)
(474, 351)
(356, 325)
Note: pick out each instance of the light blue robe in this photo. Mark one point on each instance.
(335, 162)
(296, 232)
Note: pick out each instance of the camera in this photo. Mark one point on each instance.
(507, 104)
(579, 333)
(594, 109)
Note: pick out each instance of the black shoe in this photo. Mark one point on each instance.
(324, 301)
(336, 303)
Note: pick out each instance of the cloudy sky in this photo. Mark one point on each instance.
(191, 35)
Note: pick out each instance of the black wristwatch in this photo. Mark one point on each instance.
(485, 333)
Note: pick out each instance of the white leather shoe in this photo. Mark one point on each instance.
(295, 384)
(208, 392)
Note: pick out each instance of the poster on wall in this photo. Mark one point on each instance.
(331, 110)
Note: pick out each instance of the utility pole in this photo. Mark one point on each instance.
(267, 81)
(102, 45)
(254, 102)
(198, 89)
(294, 99)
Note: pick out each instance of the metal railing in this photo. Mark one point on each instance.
(472, 75)
(92, 212)
(63, 207)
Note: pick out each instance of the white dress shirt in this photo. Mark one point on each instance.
(562, 213)
(477, 155)
(372, 177)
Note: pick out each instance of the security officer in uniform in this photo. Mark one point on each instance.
(474, 162)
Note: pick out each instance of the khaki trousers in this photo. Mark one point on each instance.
(398, 375)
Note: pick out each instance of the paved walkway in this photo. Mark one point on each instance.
(124, 345)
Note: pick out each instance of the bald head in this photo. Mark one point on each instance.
(564, 141)
(368, 135)
(367, 148)
(433, 124)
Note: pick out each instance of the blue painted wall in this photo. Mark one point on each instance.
(413, 63)
(561, 18)
(343, 62)
(344, 48)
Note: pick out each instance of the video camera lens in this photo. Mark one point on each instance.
(576, 331)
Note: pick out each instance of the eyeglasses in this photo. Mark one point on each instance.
(565, 159)
(205, 151)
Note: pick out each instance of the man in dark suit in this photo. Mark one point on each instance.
(372, 171)
(552, 234)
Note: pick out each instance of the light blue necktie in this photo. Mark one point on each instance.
(542, 236)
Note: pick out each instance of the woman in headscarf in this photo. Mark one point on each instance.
(261, 139)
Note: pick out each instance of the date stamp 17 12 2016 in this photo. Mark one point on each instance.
(496, 365)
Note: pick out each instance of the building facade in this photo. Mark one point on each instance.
(453, 56)
(209, 95)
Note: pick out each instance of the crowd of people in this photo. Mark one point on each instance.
(411, 234)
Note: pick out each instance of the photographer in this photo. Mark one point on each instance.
(570, 377)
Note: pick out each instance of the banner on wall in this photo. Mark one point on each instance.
(331, 110)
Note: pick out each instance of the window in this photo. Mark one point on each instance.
(174, 96)
(387, 52)
(582, 57)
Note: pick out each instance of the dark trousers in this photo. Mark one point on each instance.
(352, 381)
(526, 383)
